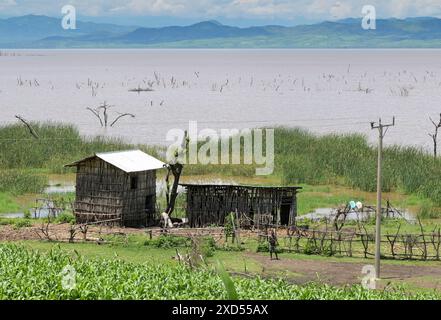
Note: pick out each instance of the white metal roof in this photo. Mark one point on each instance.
(128, 161)
(131, 161)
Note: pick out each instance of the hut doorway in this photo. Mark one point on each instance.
(149, 209)
(285, 210)
(149, 203)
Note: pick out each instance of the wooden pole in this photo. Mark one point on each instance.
(381, 134)
(378, 218)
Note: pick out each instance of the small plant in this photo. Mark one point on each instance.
(227, 281)
(208, 247)
(65, 217)
(168, 242)
(6, 222)
(310, 247)
(262, 247)
(27, 214)
(22, 223)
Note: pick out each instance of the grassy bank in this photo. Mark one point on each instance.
(25, 162)
(58, 144)
(300, 158)
(349, 160)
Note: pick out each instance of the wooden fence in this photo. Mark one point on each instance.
(422, 246)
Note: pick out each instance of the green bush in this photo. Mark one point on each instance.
(208, 247)
(262, 247)
(22, 223)
(65, 217)
(169, 241)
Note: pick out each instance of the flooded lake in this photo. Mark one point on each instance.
(353, 215)
(322, 90)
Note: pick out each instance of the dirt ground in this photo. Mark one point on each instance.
(342, 273)
(62, 232)
(298, 270)
(58, 232)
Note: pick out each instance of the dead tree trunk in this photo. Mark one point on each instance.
(171, 196)
(29, 126)
(175, 168)
(434, 135)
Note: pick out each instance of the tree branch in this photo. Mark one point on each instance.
(31, 130)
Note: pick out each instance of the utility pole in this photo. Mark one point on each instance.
(382, 129)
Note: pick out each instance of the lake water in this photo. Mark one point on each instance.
(329, 213)
(321, 90)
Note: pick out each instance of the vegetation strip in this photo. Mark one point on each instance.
(28, 274)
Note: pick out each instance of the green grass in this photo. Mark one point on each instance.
(8, 204)
(16, 223)
(21, 181)
(29, 274)
(349, 160)
(311, 198)
(300, 158)
(26, 161)
(58, 144)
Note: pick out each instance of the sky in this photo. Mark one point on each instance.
(236, 12)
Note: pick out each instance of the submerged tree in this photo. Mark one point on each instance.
(29, 126)
(102, 113)
(434, 135)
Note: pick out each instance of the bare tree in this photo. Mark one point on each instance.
(175, 168)
(434, 135)
(102, 113)
(29, 126)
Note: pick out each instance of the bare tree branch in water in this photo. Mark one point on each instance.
(121, 116)
(434, 135)
(102, 113)
(28, 125)
(97, 114)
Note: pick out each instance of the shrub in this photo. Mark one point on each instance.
(65, 217)
(22, 223)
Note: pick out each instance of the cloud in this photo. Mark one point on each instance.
(405, 8)
(340, 10)
(5, 4)
(247, 9)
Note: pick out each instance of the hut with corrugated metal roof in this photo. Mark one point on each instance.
(116, 188)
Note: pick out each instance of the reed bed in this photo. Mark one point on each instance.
(25, 161)
(302, 157)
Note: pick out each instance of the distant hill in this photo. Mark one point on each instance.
(33, 31)
(29, 30)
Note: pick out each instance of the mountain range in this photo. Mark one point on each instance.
(34, 31)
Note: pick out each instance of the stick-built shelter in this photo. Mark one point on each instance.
(256, 205)
(116, 187)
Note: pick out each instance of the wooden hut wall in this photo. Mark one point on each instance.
(210, 204)
(104, 192)
(98, 191)
(139, 203)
